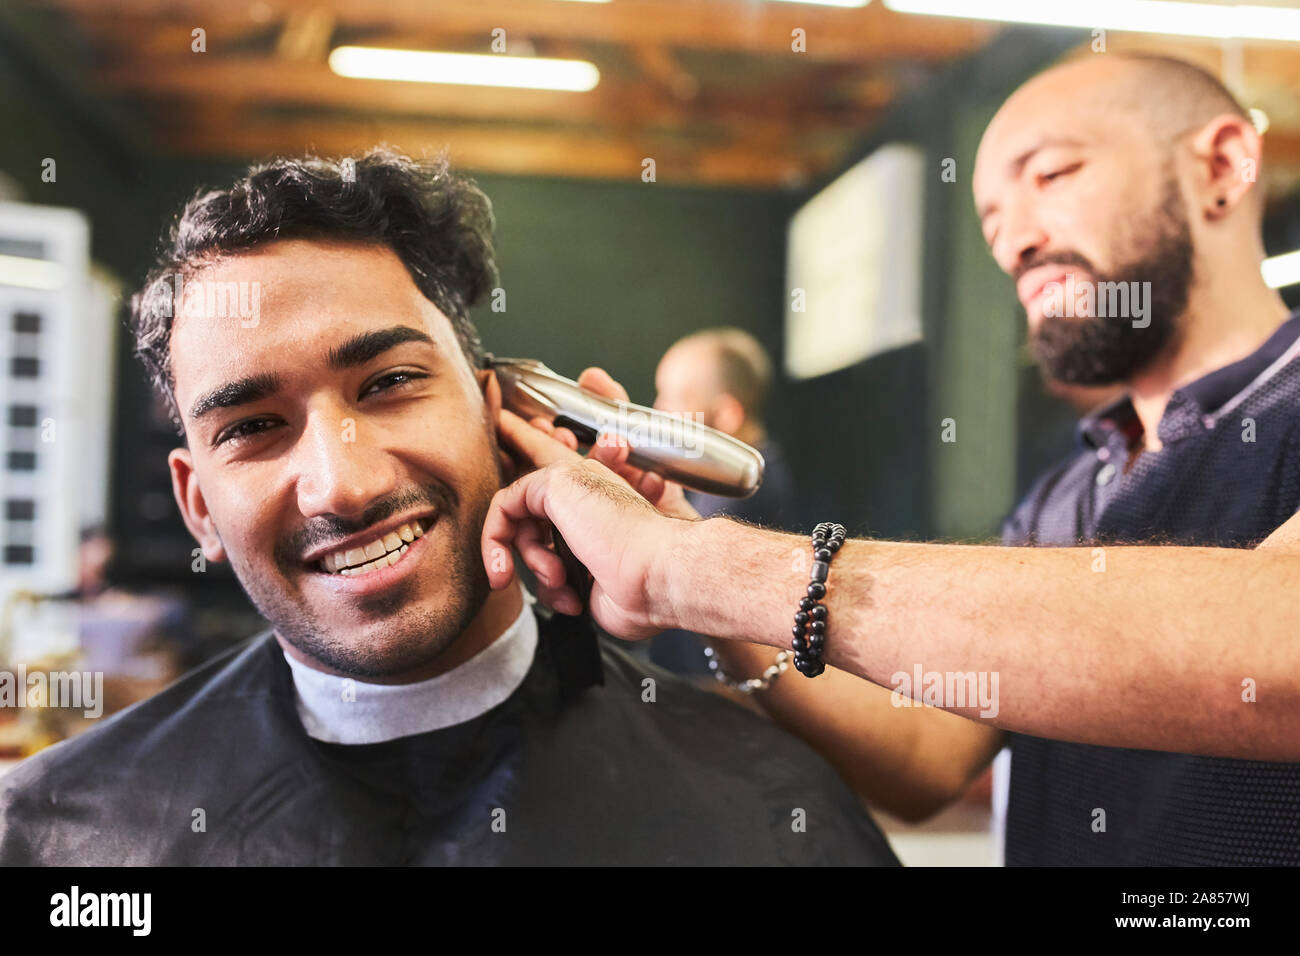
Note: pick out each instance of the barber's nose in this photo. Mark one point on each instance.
(1020, 237)
(339, 471)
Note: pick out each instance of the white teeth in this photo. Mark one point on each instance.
(380, 553)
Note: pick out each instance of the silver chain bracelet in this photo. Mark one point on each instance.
(762, 682)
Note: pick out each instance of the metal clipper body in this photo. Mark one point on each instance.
(679, 449)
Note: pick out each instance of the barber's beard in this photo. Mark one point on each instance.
(418, 633)
(1102, 350)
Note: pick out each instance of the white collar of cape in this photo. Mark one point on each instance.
(348, 711)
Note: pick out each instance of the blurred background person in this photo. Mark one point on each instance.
(721, 377)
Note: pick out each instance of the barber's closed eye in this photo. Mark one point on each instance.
(1057, 173)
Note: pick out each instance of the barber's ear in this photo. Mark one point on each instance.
(194, 509)
(1227, 151)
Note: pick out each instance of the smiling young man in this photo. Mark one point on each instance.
(340, 452)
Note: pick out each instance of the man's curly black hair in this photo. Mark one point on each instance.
(437, 222)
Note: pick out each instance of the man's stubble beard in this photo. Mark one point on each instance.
(426, 633)
(1103, 350)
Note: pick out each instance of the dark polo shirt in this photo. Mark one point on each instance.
(1228, 475)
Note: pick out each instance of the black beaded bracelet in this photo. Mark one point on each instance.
(810, 620)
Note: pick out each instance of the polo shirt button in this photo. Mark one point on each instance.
(1106, 473)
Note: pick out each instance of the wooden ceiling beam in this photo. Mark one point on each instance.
(262, 81)
(855, 35)
(517, 151)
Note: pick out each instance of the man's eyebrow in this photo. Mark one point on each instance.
(357, 350)
(240, 392)
(360, 349)
(1016, 165)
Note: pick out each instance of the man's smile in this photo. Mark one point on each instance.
(374, 560)
(379, 553)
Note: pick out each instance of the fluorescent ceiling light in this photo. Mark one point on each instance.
(30, 273)
(1281, 270)
(466, 69)
(1242, 21)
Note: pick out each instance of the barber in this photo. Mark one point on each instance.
(1152, 701)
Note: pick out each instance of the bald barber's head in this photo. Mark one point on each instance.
(722, 375)
(1118, 177)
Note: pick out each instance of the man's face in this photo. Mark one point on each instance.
(685, 382)
(345, 415)
(1066, 188)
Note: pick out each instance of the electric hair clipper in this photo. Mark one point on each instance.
(681, 450)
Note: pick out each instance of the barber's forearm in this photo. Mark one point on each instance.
(1134, 647)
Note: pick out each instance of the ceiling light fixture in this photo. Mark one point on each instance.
(465, 69)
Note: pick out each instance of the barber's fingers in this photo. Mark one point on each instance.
(602, 383)
(563, 599)
(531, 446)
(612, 530)
(508, 515)
(652, 487)
(577, 496)
(665, 495)
(533, 543)
(559, 434)
(613, 452)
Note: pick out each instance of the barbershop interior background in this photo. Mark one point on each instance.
(731, 154)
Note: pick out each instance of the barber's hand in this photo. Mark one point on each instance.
(616, 533)
(609, 450)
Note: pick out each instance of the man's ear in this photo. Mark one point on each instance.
(728, 413)
(1227, 151)
(189, 498)
(487, 381)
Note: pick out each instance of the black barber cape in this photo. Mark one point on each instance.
(575, 767)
